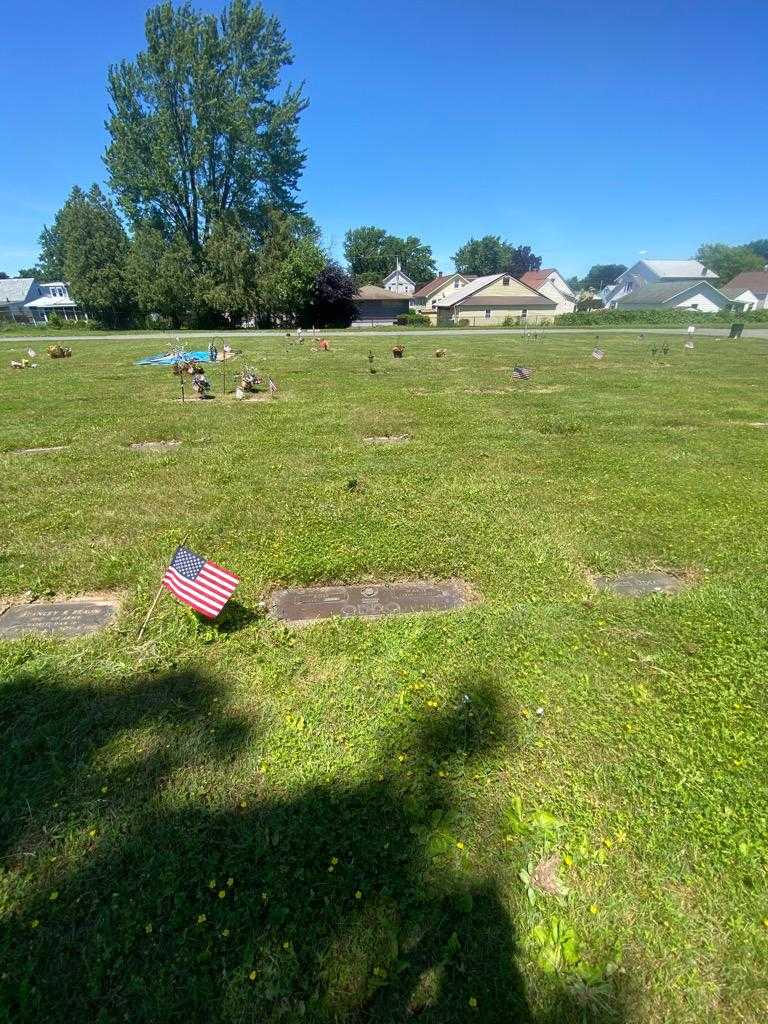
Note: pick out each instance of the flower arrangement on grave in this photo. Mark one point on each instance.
(58, 352)
(250, 382)
(200, 383)
(397, 351)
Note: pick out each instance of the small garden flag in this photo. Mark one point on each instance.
(598, 353)
(521, 373)
(201, 584)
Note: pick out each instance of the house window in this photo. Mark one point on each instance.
(487, 314)
(505, 281)
(523, 314)
(456, 283)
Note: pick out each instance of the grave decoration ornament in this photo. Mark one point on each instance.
(398, 351)
(521, 373)
(250, 381)
(598, 353)
(689, 344)
(23, 364)
(58, 352)
(200, 383)
(196, 581)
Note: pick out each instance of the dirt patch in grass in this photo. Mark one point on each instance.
(154, 446)
(388, 439)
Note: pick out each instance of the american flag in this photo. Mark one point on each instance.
(598, 353)
(202, 585)
(521, 373)
(272, 386)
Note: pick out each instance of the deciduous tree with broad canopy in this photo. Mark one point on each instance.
(492, 255)
(728, 260)
(197, 129)
(372, 253)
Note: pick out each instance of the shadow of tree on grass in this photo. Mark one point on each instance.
(347, 903)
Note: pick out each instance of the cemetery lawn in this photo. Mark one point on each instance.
(354, 821)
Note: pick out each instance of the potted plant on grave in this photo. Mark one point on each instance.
(397, 351)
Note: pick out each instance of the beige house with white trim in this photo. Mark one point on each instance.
(425, 300)
(491, 299)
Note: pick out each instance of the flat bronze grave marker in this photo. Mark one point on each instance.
(56, 618)
(154, 446)
(37, 451)
(365, 600)
(387, 439)
(640, 584)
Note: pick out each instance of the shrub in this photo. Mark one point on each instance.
(412, 319)
(657, 318)
(463, 323)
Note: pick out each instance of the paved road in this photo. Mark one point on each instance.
(165, 339)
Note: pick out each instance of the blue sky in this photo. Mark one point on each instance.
(593, 132)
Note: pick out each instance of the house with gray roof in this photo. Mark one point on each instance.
(25, 300)
(700, 295)
(646, 272)
(493, 298)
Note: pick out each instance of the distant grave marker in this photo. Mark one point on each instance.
(640, 584)
(308, 604)
(39, 451)
(388, 439)
(522, 373)
(57, 618)
(154, 446)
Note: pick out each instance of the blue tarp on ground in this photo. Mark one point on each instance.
(175, 357)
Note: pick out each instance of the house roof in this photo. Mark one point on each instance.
(509, 302)
(15, 289)
(755, 281)
(533, 278)
(48, 301)
(661, 292)
(425, 290)
(668, 270)
(459, 294)
(374, 292)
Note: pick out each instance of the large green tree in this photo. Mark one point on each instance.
(165, 275)
(197, 128)
(372, 253)
(601, 274)
(229, 276)
(728, 260)
(492, 255)
(88, 246)
(287, 264)
(760, 246)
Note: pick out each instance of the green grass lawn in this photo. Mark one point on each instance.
(242, 822)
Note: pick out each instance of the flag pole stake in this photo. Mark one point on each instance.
(160, 589)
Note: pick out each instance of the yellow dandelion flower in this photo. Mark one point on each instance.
(286, 945)
(92, 833)
(431, 703)
(593, 909)
(472, 1002)
(148, 929)
(222, 893)
(441, 774)
(401, 758)
(358, 895)
(243, 804)
(252, 975)
(334, 860)
(36, 924)
(567, 860)
(765, 922)
(54, 896)
(201, 918)
(459, 845)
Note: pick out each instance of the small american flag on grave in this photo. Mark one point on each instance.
(272, 386)
(598, 353)
(522, 373)
(201, 584)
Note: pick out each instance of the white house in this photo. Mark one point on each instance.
(25, 300)
(699, 295)
(399, 282)
(552, 284)
(646, 272)
(749, 289)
